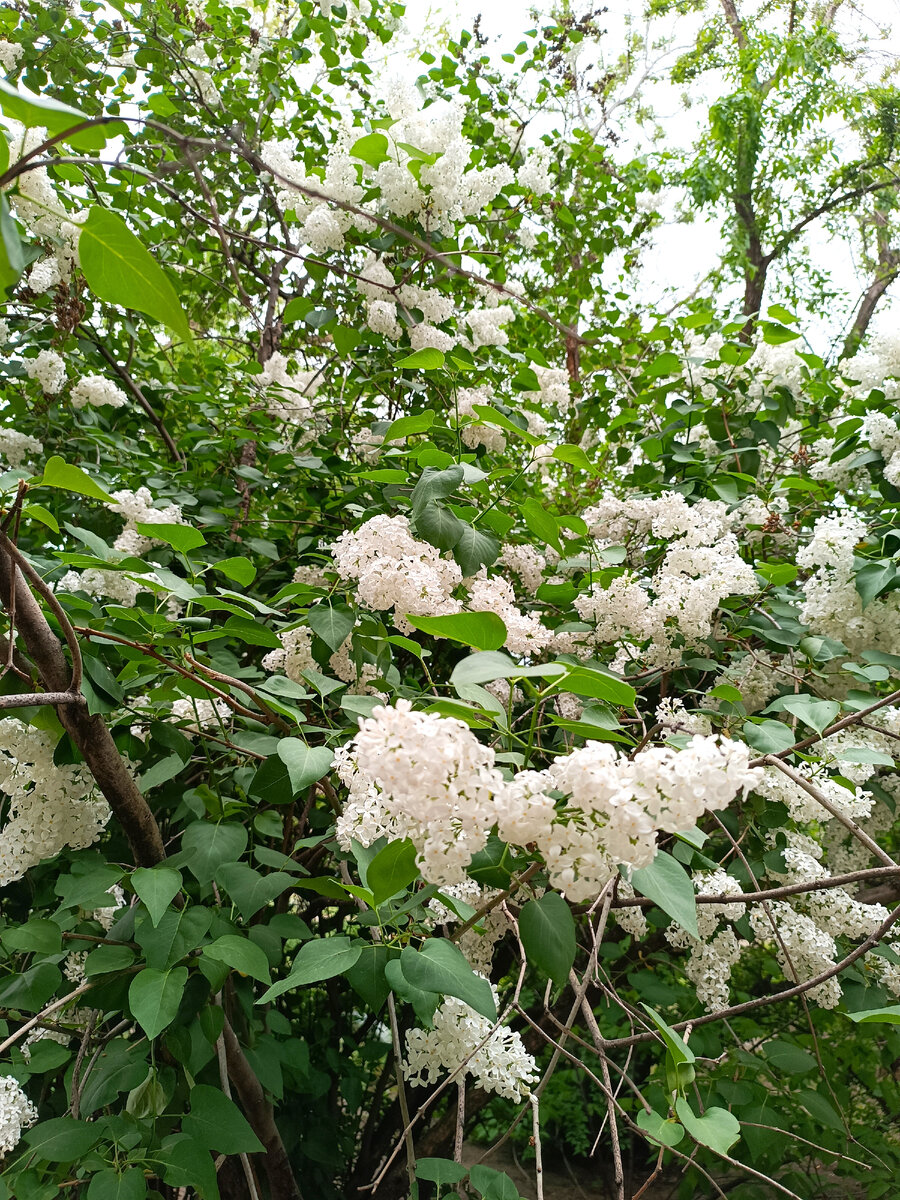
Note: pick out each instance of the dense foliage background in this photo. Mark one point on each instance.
(448, 693)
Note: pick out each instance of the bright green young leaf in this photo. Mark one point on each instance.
(405, 427)
(60, 474)
(422, 360)
(240, 569)
(241, 954)
(180, 537)
(317, 960)
(492, 1184)
(441, 967)
(665, 1131)
(573, 455)
(154, 997)
(371, 149)
(121, 271)
(717, 1128)
(440, 1170)
(667, 884)
(483, 630)
(877, 1016)
(676, 1046)
(488, 665)
(157, 887)
(542, 523)
(305, 764)
(217, 1123)
(548, 935)
(391, 870)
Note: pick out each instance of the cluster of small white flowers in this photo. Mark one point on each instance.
(364, 816)
(288, 393)
(360, 678)
(313, 577)
(882, 434)
(714, 954)
(16, 1113)
(631, 919)
(527, 563)
(50, 806)
(96, 390)
(107, 916)
(776, 366)
(18, 448)
(486, 324)
(534, 174)
(554, 395)
(437, 777)
(474, 435)
(802, 949)
(61, 1036)
(877, 366)
(502, 1065)
(97, 583)
(525, 635)
(295, 655)
(672, 714)
(701, 566)
(138, 508)
(10, 53)
(196, 715)
(802, 807)
(73, 966)
(49, 369)
(477, 943)
(196, 75)
(393, 570)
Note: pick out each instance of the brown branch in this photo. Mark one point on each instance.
(734, 24)
(779, 893)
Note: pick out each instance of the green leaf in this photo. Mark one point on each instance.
(317, 960)
(60, 474)
(207, 846)
(119, 270)
(441, 967)
(272, 782)
(391, 870)
(305, 764)
(768, 737)
(483, 630)
(424, 1003)
(436, 485)
(542, 523)
(422, 360)
(154, 997)
(584, 681)
(240, 569)
(37, 512)
(491, 1184)
(120, 1067)
(62, 1139)
(573, 455)
(180, 930)
(405, 427)
(157, 887)
(249, 889)
(548, 935)
(216, 1123)
(879, 1016)
(333, 623)
(37, 936)
(665, 1131)
(491, 664)
(56, 117)
(474, 549)
(371, 149)
(110, 1185)
(241, 954)
(187, 1163)
(667, 884)
(12, 256)
(676, 1046)
(439, 526)
(180, 537)
(717, 1128)
(817, 714)
(875, 578)
(440, 1170)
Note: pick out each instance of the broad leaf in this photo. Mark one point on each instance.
(154, 997)
(241, 954)
(120, 270)
(60, 474)
(717, 1128)
(217, 1123)
(206, 846)
(179, 537)
(305, 764)
(667, 884)
(665, 1131)
(333, 623)
(320, 959)
(157, 887)
(483, 630)
(441, 967)
(391, 870)
(548, 935)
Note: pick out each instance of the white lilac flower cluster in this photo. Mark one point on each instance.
(16, 1114)
(526, 562)
(701, 566)
(50, 806)
(195, 716)
(18, 448)
(832, 604)
(49, 369)
(502, 1065)
(477, 943)
(876, 366)
(757, 675)
(426, 777)
(712, 955)
(392, 570)
(473, 433)
(802, 949)
(100, 584)
(97, 391)
(139, 508)
(288, 392)
(525, 635)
